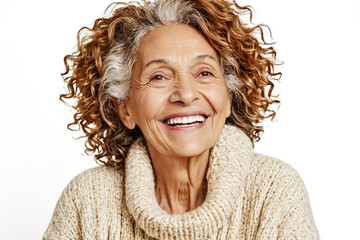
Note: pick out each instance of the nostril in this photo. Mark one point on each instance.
(184, 90)
(184, 97)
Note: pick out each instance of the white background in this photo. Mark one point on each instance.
(316, 131)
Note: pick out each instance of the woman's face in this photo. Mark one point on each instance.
(178, 95)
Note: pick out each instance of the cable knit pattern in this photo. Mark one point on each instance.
(250, 196)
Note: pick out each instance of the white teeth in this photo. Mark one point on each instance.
(185, 120)
(192, 119)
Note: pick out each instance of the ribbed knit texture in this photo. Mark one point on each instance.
(250, 196)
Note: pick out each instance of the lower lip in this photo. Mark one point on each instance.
(186, 126)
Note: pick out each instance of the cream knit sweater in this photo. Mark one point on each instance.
(250, 196)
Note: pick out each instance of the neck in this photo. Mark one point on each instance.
(180, 181)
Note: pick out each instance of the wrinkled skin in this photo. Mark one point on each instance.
(177, 72)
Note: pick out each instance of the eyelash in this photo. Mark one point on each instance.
(201, 74)
(155, 78)
(207, 74)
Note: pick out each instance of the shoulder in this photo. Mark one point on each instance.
(274, 183)
(103, 174)
(95, 183)
(272, 170)
(276, 198)
(90, 200)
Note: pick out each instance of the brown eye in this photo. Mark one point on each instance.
(157, 77)
(206, 74)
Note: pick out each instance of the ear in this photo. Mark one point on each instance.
(228, 106)
(122, 108)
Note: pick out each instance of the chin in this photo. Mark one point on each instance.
(190, 149)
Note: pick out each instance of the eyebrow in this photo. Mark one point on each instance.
(164, 61)
(204, 56)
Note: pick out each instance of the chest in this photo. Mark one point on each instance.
(111, 220)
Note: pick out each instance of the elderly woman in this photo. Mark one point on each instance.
(170, 95)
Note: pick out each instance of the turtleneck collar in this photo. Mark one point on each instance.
(228, 166)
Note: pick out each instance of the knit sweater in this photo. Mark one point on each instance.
(249, 196)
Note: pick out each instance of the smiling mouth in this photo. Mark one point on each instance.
(185, 120)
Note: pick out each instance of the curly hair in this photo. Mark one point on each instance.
(100, 70)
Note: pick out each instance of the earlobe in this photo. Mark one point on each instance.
(121, 108)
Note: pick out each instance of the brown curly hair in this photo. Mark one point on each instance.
(100, 70)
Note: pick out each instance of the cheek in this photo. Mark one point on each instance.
(218, 96)
(149, 102)
(146, 104)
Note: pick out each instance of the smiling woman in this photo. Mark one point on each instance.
(170, 95)
(176, 79)
(178, 82)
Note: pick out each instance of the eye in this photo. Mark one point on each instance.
(206, 74)
(158, 78)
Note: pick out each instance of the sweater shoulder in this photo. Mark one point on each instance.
(270, 178)
(100, 183)
(276, 198)
(91, 199)
(270, 168)
(101, 174)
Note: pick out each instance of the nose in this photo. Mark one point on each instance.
(184, 90)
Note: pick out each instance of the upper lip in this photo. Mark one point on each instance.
(184, 114)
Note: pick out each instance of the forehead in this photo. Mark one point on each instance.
(174, 42)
